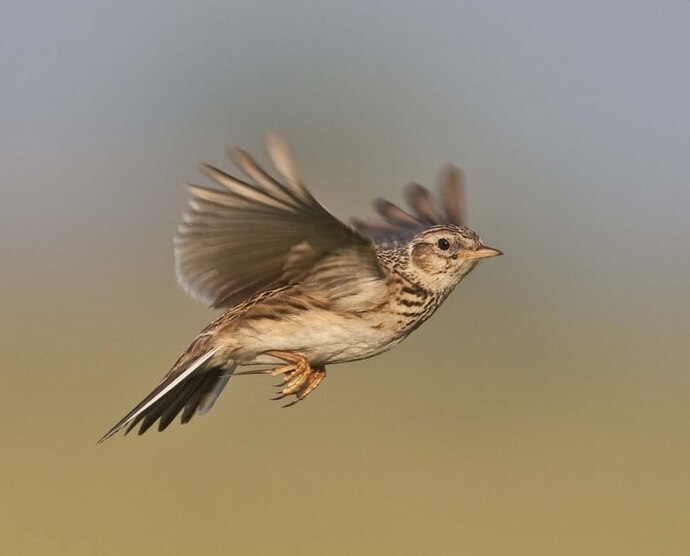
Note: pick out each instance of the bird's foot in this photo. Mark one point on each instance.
(299, 378)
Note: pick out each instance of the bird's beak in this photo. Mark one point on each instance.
(481, 253)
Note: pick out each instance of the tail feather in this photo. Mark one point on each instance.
(187, 399)
(190, 388)
(210, 383)
(210, 396)
(168, 407)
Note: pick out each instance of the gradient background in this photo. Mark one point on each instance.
(544, 410)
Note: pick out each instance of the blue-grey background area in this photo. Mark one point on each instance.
(544, 410)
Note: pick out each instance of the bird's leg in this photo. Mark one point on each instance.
(299, 377)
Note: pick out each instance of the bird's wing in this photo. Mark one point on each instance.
(398, 226)
(260, 233)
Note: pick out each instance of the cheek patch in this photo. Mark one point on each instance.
(425, 258)
(422, 257)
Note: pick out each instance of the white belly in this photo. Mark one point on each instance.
(318, 335)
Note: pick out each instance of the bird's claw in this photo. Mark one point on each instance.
(299, 378)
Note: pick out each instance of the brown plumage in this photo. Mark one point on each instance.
(302, 289)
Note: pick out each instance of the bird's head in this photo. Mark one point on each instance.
(440, 256)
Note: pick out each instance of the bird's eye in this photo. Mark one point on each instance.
(443, 244)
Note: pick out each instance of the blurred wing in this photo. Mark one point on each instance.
(262, 233)
(399, 227)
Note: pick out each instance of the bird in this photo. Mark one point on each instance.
(300, 288)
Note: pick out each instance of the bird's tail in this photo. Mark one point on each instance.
(191, 387)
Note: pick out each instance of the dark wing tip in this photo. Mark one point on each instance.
(393, 214)
(398, 226)
(453, 196)
(421, 201)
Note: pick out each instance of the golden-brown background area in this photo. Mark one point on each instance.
(544, 410)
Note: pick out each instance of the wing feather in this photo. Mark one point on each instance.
(260, 233)
(399, 226)
(453, 195)
(421, 201)
(246, 163)
(282, 160)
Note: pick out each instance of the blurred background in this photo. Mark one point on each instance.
(544, 410)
